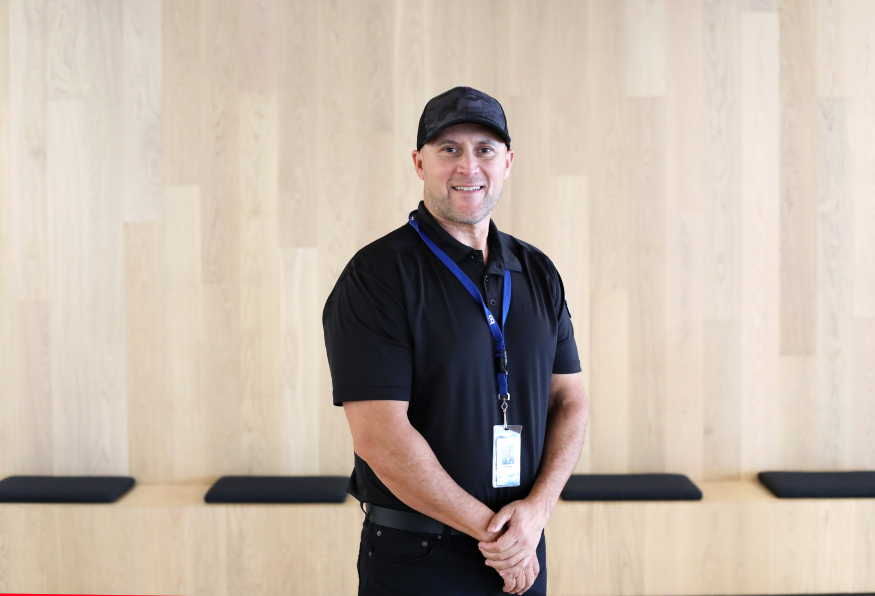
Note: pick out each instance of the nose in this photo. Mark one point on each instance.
(468, 164)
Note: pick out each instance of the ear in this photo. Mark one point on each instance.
(417, 164)
(508, 163)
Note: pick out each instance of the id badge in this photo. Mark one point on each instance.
(506, 454)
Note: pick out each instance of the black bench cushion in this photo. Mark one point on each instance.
(630, 487)
(64, 489)
(819, 485)
(278, 489)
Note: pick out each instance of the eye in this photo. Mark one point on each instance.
(449, 149)
(487, 150)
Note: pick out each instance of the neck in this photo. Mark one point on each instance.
(473, 235)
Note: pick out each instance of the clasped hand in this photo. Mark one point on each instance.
(513, 553)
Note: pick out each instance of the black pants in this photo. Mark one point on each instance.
(401, 563)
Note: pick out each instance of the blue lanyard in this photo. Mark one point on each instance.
(500, 351)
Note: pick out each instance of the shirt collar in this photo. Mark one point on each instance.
(500, 256)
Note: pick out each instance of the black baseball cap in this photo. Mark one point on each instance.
(461, 105)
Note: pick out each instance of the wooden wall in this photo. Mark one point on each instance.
(182, 182)
(165, 540)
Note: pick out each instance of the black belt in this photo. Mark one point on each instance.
(406, 520)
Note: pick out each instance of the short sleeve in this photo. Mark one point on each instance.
(367, 339)
(566, 361)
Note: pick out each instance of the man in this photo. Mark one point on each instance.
(443, 338)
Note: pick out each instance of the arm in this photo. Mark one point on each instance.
(403, 461)
(567, 415)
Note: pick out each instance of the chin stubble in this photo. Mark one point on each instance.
(444, 207)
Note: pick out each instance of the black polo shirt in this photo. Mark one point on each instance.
(400, 326)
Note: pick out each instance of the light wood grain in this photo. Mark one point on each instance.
(4, 51)
(798, 179)
(297, 102)
(166, 540)
(863, 155)
(863, 167)
(338, 208)
(149, 408)
(835, 45)
(531, 219)
(259, 287)
(864, 394)
(259, 34)
(722, 206)
(685, 346)
(685, 237)
(864, 545)
(799, 421)
(7, 368)
(759, 240)
(697, 149)
(182, 138)
(181, 184)
(219, 112)
(190, 415)
(645, 48)
(141, 97)
(646, 218)
(300, 317)
(567, 87)
(569, 244)
(835, 306)
(609, 365)
(27, 143)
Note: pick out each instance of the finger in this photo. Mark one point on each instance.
(530, 580)
(502, 555)
(509, 585)
(512, 566)
(522, 581)
(510, 537)
(504, 542)
(499, 519)
(510, 562)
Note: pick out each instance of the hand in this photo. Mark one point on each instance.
(525, 521)
(519, 584)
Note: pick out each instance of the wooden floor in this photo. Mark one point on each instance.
(166, 540)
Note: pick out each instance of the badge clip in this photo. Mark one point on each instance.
(504, 399)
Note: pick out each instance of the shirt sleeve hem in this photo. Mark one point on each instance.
(566, 368)
(378, 393)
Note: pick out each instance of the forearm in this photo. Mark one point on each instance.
(405, 463)
(566, 428)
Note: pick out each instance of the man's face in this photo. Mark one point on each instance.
(464, 168)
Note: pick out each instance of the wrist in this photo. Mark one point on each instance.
(542, 503)
(481, 532)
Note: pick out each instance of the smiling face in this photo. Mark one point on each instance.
(464, 168)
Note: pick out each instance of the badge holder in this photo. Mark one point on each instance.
(506, 444)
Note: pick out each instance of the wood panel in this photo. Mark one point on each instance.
(164, 540)
(181, 183)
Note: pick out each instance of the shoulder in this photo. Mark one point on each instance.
(531, 258)
(381, 257)
(376, 268)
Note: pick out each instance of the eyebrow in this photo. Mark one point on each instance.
(480, 142)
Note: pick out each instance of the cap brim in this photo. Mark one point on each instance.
(504, 136)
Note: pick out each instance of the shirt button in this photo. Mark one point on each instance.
(473, 257)
(492, 302)
(424, 543)
(486, 279)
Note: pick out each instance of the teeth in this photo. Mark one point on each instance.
(467, 187)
